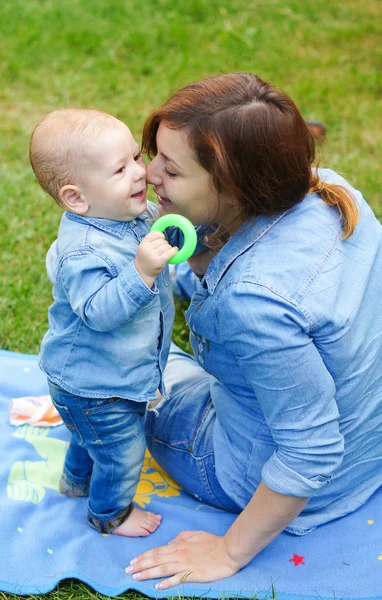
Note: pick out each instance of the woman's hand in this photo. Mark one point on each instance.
(197, 556)
(193, 556)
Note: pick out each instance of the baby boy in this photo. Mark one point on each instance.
(111, 320)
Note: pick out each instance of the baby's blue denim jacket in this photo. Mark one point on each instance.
(288, 320)
(109, 334)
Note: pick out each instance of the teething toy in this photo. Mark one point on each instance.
(190, 237)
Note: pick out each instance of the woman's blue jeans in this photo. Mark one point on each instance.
(180, 436)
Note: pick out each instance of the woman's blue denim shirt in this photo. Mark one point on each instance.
(109, 334)
(288, 320)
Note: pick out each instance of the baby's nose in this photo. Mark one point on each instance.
(140, 172)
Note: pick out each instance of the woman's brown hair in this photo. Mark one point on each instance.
(253, 141)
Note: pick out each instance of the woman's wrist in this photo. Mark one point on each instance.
(236, 556)
(264, 517)
(243, 547)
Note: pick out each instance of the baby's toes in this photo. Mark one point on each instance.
(144, 531)
(151, 523)
(154, 516)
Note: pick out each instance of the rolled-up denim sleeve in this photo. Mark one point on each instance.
(275, 351)
(103, 298)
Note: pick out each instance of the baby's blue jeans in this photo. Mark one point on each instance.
(105, 453)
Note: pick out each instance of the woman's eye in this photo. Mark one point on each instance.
(169, 173)
(120, 170)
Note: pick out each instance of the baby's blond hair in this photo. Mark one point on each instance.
(58, 143)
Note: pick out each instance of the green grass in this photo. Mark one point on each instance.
(125, 57)
(71, 589)
(75, 590)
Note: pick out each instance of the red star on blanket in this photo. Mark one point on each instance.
(297, 560)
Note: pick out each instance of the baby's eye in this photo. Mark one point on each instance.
(120, 170)
(138, 157)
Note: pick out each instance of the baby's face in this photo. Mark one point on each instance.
(114, 175)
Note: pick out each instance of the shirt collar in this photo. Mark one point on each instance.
(117, 228)
(246, 236)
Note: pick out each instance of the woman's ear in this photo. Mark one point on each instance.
(73, 200)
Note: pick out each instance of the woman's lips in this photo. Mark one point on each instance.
(163, 201)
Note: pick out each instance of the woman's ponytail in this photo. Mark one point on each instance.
(340, 197)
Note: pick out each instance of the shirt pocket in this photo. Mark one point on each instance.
(201, 347)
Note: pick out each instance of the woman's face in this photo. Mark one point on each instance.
(181, 184)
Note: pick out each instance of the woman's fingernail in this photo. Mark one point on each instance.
(158, 586)
(133, 561)
(137, 576)
(129, 569)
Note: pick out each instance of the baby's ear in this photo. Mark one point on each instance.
(73, 200)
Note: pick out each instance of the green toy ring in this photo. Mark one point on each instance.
(190, 237)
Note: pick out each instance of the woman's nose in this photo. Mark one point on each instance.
(152, 174)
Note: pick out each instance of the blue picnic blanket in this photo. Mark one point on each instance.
(44, 537)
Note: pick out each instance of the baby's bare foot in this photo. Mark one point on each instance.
(139, 523)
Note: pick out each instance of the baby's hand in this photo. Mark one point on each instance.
(153, 253)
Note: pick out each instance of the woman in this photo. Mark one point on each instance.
(279, 416)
